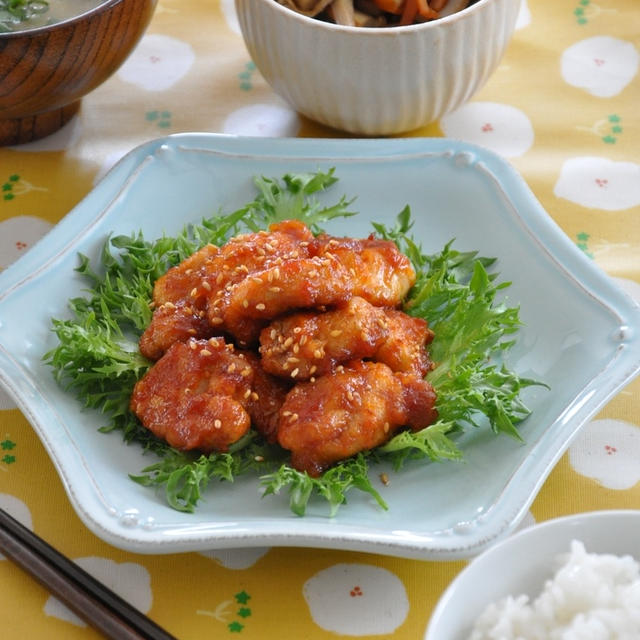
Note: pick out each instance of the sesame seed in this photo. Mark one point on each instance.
(317, 354)
(191, 332)
(245, 303)
(254, 396)
(192, 344)
(286, 413)
(219, 278)
(293, 360)
(386, 427)
(288, 342)
(297, 329)
(217, 423)
(205, 352)
(231, 368)
(294, 417)
(247, 393)
(275, 289)
(194, 292)
(335, 333)
(260, 306)
(188, 271)
(257, 280)
(273, 334)
(215, 321)
(313, 369)
(350, 395)
(312, 379)
(245, 372)
(169, 305)
(303, 340)
(259, 458)
(296, 348)
(384, 478)
(295, 372)
(206, 285)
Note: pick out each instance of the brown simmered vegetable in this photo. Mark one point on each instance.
(376, 13)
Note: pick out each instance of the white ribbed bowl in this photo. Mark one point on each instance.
(376, 81)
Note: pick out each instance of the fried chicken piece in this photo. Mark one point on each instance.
(178, 283)
(405, 347)
(173, 323)
(356, 408)
(201, 283)
(380, 273)
(308, 344)
(249, 253)
(202, 395)
(265, 402)
(178, 315)
(302, 283)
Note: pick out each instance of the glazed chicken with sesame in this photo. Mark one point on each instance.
(358, 406)
(205, 394)
(197, 291)
(298, 337)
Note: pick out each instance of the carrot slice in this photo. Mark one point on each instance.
(391, 6)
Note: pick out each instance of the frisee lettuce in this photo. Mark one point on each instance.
(97, 358)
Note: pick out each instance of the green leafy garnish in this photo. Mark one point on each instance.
(457, 296)
(97, 357)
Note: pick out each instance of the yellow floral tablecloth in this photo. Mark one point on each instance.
(563, 108)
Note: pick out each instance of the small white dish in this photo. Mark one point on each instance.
(581, 336)
(377, 81)
(522, 563)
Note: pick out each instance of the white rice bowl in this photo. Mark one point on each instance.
(576, 578)
(590, 597)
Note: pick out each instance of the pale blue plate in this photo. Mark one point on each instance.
(580, 337)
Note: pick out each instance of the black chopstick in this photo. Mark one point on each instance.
(100, 607)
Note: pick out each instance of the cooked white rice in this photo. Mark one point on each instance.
(591, 597)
